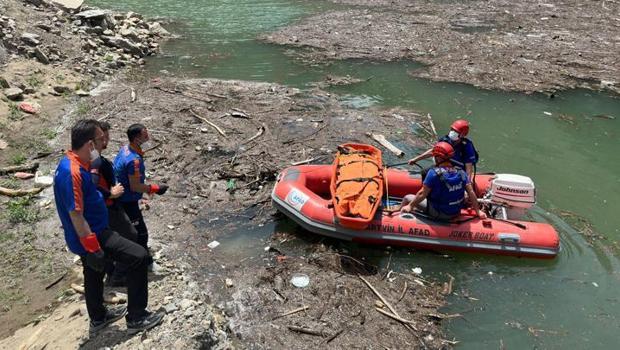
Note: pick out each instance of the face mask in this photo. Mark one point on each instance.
(146, 145)
(453, 135)
(94, 155)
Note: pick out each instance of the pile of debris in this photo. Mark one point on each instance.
(524, 46)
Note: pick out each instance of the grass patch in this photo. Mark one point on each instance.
(11, 182)
(10, 296)
(82, 109)
(18, 159)
(83, 85)
(6, 236)
(14, 112)
(34, 80)
(34, 145)
(22, 210)
(49, 134)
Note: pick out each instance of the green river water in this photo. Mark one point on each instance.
(570, 302)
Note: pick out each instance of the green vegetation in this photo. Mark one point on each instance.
(83, 85)
(22, 210)
(18, 159)
(49, 133)
(10, 182)
(6, 236)
(82, 109)
(14, 112)
(34, 79)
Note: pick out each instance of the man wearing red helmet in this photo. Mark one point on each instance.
(443, 192)
(465, 155)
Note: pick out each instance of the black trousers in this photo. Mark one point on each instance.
(119, 222)
(131, 254)
(135, 215)
(132, 209)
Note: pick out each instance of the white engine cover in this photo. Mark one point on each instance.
(515, 191)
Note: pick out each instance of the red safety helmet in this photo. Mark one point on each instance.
(461, 126)
(443, 150)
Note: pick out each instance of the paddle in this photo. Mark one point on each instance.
(405, 163)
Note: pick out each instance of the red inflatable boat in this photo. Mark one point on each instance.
(303, 194)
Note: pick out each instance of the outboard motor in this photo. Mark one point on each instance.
(510, 196)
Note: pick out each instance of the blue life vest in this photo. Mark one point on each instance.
(464, 152)
(447, 189)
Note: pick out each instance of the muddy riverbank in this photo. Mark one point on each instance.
(51, 60)
(219, 146)
(214, 173)
(518, 46)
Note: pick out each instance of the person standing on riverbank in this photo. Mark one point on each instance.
(102, 173)
(442, 194)
(130, 172)
(84, 219)
(465, 154)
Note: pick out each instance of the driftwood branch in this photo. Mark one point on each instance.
(402, 295)
(303, 138)
(387, 144)
(397, 318)
(215, 95)
(55, 282)
(15, 168)
(430, 122)
(306, 161)
(303, 308)
(261, 130)
(386, 303)
(219, 130)
(109, 298)
(306, 331)
(19, 193)
(332, 337)
(443, 317)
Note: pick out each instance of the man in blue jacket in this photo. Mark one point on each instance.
(465, 155)
(102, 173)
(84, 219)
(130, 172)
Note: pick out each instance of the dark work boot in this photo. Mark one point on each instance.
(112, 314)
(148, 321)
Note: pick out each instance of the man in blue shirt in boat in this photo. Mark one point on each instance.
(442, 195)
(465, 154)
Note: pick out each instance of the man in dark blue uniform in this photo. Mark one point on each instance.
(130, 172)
(84, 219)
(465, 154)
(442, 195)
(102, 173)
